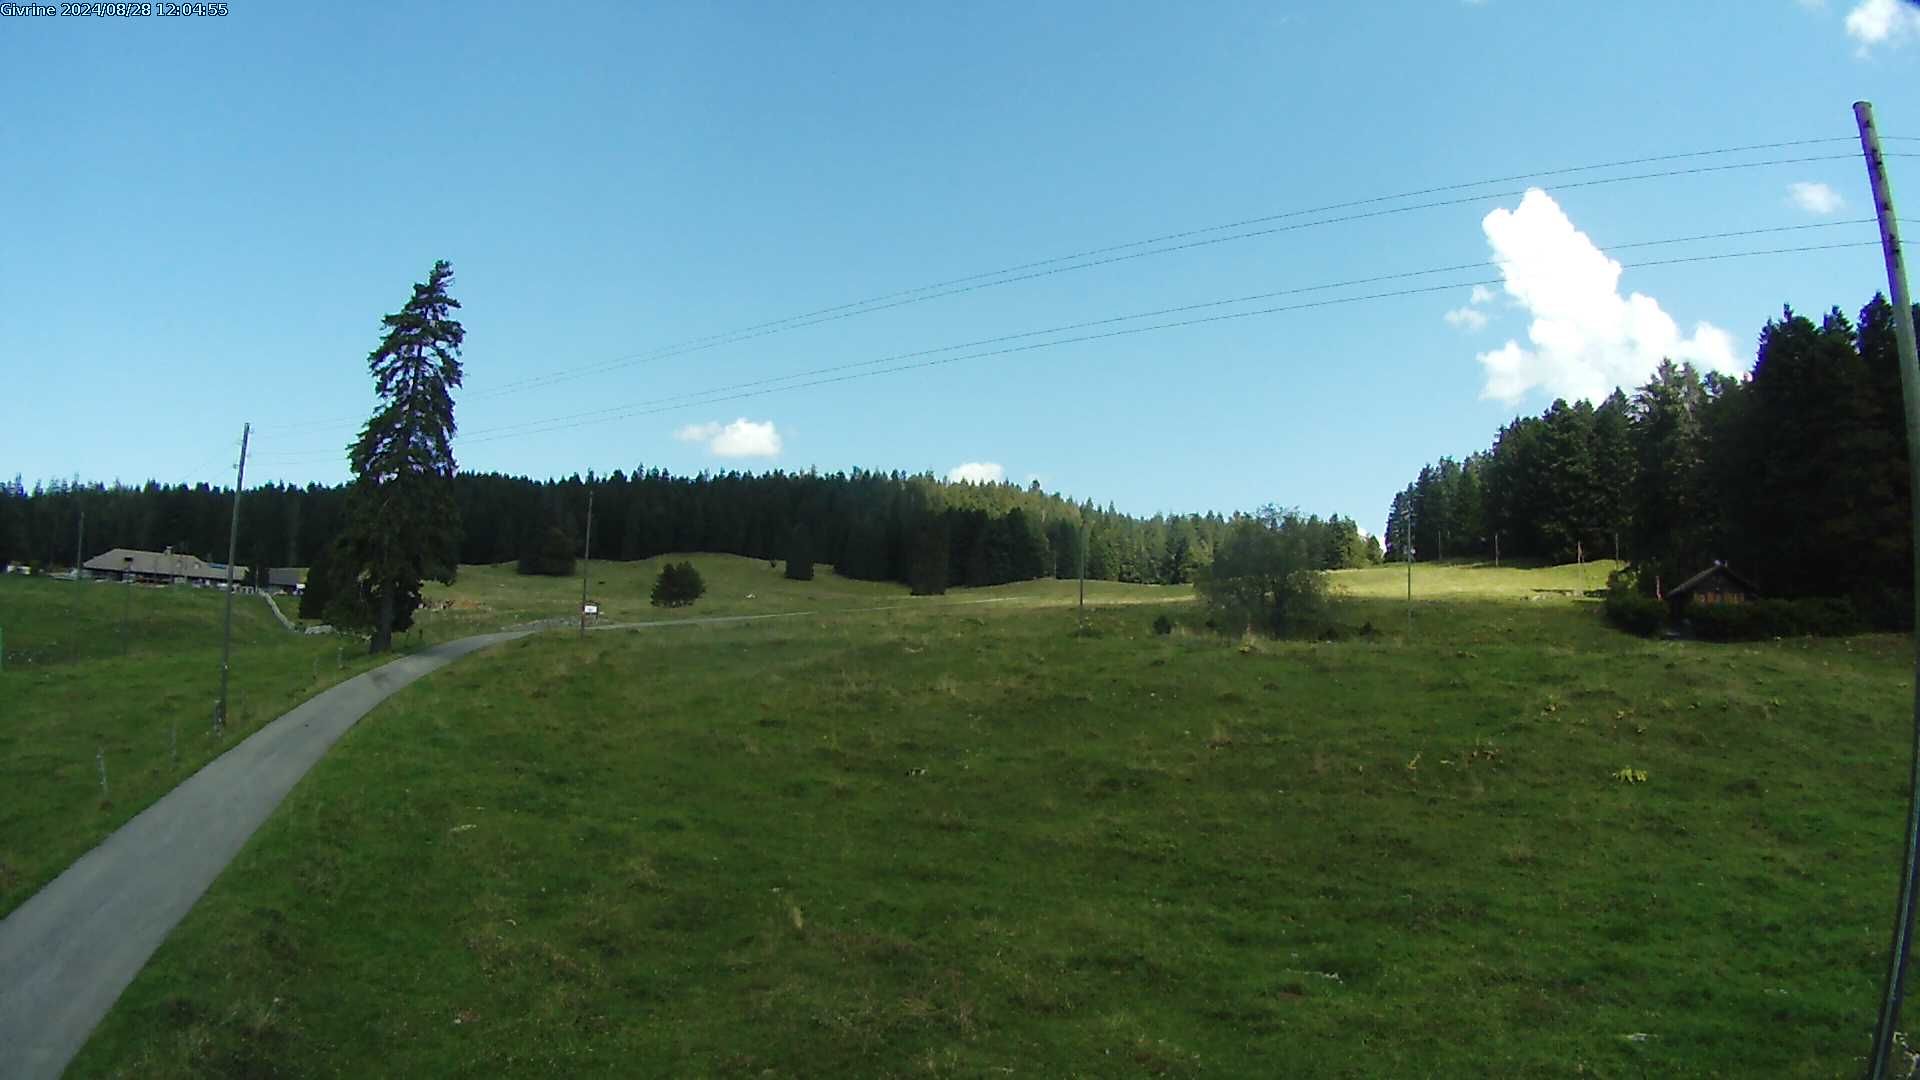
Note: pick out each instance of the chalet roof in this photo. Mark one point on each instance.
(286, 575)
(160, 564)
(1701, 578)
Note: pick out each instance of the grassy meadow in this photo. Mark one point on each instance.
(969, 842)
(76, 692)
(484, 598)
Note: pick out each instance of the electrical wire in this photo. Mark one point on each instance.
(664, 405)
(1090, 258)
(554, 378)
(768, 384)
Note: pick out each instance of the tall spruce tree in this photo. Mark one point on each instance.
(799, 554)
(403, 527)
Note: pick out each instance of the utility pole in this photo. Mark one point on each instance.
(233, 547)
(1580, 560)
(1406, 535)
(1083, 577)
(1889, 1020)
(79, 545)
(126, 607)
(584, 560)
(1496, 549)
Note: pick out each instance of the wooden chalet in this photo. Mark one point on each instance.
(1714, 585)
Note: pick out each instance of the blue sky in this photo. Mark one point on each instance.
(207, 217)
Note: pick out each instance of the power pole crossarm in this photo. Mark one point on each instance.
(1888, 1023)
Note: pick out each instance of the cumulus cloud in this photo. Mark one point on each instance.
(1814, 198)
(977, 472)
(742, 438)
(1585, 337)
(1882, 22)
(1466, 318)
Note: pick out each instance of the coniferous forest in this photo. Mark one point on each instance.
(1795, 476)
(914, 529)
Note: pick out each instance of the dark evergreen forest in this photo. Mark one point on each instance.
(1795, 475)
(870, 525)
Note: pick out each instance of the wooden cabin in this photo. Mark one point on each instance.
(1714, 585)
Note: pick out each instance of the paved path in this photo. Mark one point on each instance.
(67, 953)
(275, 608)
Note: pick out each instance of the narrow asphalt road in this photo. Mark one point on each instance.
(67, 953)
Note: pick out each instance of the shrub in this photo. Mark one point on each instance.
(678, 585)
(1265, 574)
(1634, 613)
(1162, 625)
(1821, 616)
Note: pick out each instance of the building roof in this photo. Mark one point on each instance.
(160, 564)
(286, 575)
(1701, 578)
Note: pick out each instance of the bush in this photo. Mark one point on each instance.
(1265, 574)
(1762, 619)
(1634, 613)
(1162, 625)
(678, 585)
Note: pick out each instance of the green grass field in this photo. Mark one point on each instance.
(492, 597)
(76, 692)
(968, 842)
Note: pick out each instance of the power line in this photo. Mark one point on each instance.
(1225, 226)
(613, 412)
(1000, 278)
(564, 421)
(840, 373)
(691, 398)
(1091, 257)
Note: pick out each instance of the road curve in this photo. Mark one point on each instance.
(68, 952)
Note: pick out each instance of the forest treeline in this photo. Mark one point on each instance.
(915, 529)
(1795, 475)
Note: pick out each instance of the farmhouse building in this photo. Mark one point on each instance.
(287, 580)
(1714, 585)
(159, 568)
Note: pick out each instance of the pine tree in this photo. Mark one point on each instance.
(403, 526)
(799, 555)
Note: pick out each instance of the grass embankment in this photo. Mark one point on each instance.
(969, 842)
(76, 692)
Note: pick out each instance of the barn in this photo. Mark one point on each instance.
(1715, 585)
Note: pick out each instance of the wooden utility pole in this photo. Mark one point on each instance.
(1406, 535)
(1496, 549)
(1083, 577)
(233, 548)
(584, 560)
(79, 545)
(1888, 1022)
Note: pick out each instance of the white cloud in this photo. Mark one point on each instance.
(1814, 197)
(1480, 295)
(1466, 318)
(1585, 338)
(1881, 22)
(977, 472)
(742, 438)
